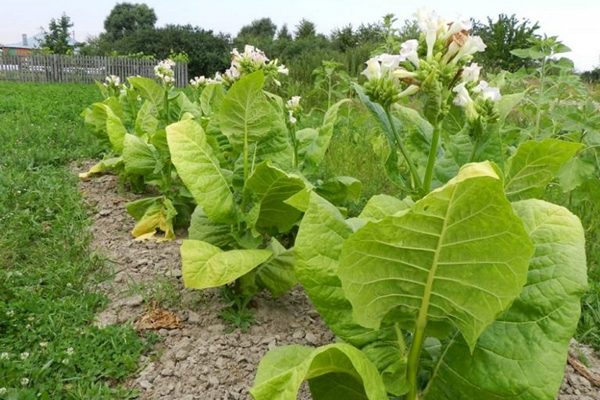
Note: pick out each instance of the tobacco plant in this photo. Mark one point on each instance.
(471, 291)
(242, 162)
(132, 120)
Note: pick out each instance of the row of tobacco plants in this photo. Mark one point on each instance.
(461, 287)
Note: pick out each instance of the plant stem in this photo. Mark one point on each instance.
(412, 368)
(167, 105)
(413, 171)
(435, 140)
(474, 150)
(294, 145)
(538, 117)
(245, 156)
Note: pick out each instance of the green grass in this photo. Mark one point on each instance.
(49, 348)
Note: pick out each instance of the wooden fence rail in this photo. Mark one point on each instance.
(79, 69)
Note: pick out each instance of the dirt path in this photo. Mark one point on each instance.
(200, 360)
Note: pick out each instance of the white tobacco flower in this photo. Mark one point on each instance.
(409, 91)
(198, 81)
(462, 99)
(232, 73)
(70, 351)
(458, 26)
(373, 70)
(471, 73)
(217, 79)
(24, 381)
(112, 81)
(488, 92)
(43, 344)
(10, 313)
(4, 356)
(24, 355)
(3, 390)
(430, 24)
(292, 119)
(472, 45)
(401, 73)
(293, 103)
(164, 71)
(389, 62)
(282, 69)
(408, 51)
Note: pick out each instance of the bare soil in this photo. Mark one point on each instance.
(200, 359)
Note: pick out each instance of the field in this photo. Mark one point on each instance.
(160, 243)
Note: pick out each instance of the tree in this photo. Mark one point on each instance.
(207, 52)
(263, 27)
(305, 29)
(259, 33)
(57, 38)
(501, 36)
(126, 18)
(284, 33)
(344, 38)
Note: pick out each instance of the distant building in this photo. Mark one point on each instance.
(24, 48)
(27, 46)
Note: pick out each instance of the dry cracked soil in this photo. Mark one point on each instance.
(201, 359)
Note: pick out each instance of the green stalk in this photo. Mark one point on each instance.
(292, 131)
(538, 117)
(435, 140)
(411, 166)
(412, 368)
(167, 104)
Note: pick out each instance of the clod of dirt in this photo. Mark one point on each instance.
(158, 318)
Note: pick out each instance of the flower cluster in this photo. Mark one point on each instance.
(294, 109)
(198, 82)
(438, 65)
(164, 71)
(201, 81)
(250, 60)
(112, 81)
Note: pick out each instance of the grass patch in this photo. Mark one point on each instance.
(49, 348)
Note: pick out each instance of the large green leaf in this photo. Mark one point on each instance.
(206, 266)
(181, 105)
(94, 118)
(115, 130)
(211, 98)
(277, 275)
(522, 355)
(534, 165)
(199, 170)
(202, 228)
(337, 371)
(318, 247)
(457, 259)
(383, 205)
(391, 163)
(314, 146)
(146, 122)
(246, 116)
(270, 186)
(340, 189)
(140, 158)
(148, 90)
(575, 172)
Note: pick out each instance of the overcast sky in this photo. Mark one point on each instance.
(576, 22)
